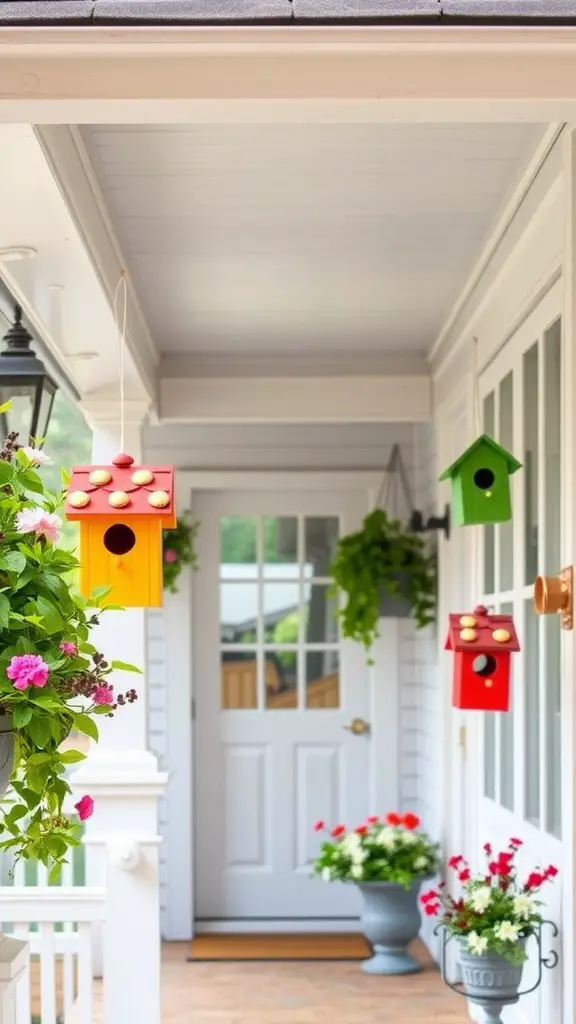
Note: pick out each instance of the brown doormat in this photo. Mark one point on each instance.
(310, 946)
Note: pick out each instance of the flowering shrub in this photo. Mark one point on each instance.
(52, 680)
(496, 911)
(178, 550)
(389, 849)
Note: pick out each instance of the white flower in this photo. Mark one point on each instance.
(477, 944)
(480, 898)
(36, 456)
(409, 838)
(507, 932)
(420, 863)
(327, 874)
(359, 856)
(523, 906)
(357, 871)
(351, 843)
(387, 837)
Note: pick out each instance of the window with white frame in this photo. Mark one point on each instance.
(522, 412)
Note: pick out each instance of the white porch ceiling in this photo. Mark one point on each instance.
(258, 239)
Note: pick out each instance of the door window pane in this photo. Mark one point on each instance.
(280, 546)
(320, 539)
(507, 739)
(281, 612)
(238, 543)
(281, 679)
(552, 525)
(238, 613)
(239, 680)
(322, 679)
(506, 439)
(489, 419)
(531, 667)
(531, 462)
(320, 623)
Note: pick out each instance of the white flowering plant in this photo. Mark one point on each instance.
(497, 911)
(388, 849)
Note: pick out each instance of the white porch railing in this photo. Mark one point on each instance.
(57, 923)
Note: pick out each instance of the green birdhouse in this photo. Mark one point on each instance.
(481, 483)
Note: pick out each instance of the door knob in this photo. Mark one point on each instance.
(358, 726)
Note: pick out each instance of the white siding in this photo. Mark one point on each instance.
(342, 447)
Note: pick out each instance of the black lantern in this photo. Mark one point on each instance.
(25, 382)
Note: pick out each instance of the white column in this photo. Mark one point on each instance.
(14, 961)
(121, 774)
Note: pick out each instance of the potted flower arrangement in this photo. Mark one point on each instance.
(491, 921)
(178, 550)
(53, 681)
(387, 858)
(384, 571)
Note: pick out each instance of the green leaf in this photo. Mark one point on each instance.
(4, 611)
(6, 473)
(32, 481)
(12, 561)
(124, 666)
(22, 715)
(85, 724)
(39, 731)
(72, 757)
(100, 592)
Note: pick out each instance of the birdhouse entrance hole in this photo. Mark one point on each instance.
(119, 539)
(484, 665)
(484, 479)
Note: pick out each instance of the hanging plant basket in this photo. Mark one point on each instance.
(396, 605)
(178, 550)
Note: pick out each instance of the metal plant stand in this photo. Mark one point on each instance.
(490, 983)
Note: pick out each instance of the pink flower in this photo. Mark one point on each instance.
(68, 648)
(373, 819)
(464, 875)
(337, 831)
(103, 694)
(36, 456)
(39, 521)
(85, 808)
(27, 670)
(170, 556)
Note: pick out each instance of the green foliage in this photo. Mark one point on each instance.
(178, 550)
(377, 852)
(41, 616)
(369, 562)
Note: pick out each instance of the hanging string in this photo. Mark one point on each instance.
(388, 493)
(121, 325)
(475, 385)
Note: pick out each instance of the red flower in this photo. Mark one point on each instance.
(534, 880)
(372, 819)
(487, 849)
(410, 821)
(319, 826)
(462, 924)
(338, 830)
(516, 843)
(426, 897)
(393, 819)
(551, 871)
(455, 862)
(464, 875)
(361, 830)
(431, 909)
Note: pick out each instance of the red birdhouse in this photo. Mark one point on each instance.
(482, 644)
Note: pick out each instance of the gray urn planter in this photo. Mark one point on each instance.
(390, 921)
(6, 752)
(490, 981)
(396, 606)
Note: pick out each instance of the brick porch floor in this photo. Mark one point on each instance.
(300, 993)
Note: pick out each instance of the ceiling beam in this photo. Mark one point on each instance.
(369, 399)
(68, 75)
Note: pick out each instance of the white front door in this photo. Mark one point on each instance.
(520, 786)
(275, 690)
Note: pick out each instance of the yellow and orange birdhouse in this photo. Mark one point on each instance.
(122, 510)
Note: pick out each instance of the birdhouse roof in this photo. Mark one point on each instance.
(149, 491)
(484, 626)
(483, 441)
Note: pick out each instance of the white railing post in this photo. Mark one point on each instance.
(14, 961)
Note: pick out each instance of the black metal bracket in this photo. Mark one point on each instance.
(419, 525)
(548, 962)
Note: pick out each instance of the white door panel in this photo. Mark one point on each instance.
(275, 689)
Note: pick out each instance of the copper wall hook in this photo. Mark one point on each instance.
(554, 594)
